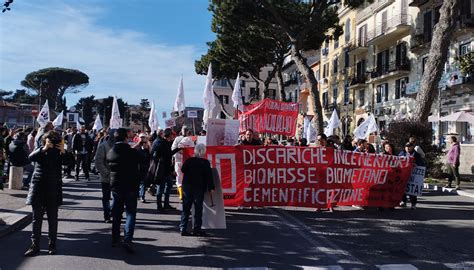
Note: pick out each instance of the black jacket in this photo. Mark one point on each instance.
(18, 153)
(162, 155)
(197, 175)
(77, 143)
(46, 184)
(124, 163)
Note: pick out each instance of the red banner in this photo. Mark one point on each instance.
(270, 116)
(308, 176)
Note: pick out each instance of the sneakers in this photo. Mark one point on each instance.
(52, 249)
(457, 187)
(403, 204)
(108, 220)
(448, 186)
(32, 251)
(143, 200)
(129, 247)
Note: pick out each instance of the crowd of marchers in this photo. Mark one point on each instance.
(131, 164)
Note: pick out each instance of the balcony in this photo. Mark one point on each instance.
(359, 47)
(420, 42)
(393, 29)
(465, 25)
(388, 71)
(372, 9)
(290, 81)
(357, 82)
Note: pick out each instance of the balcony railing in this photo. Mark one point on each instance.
(374, 7)
(391, 67)
(392, 23)
(360, 79)
(290, 81)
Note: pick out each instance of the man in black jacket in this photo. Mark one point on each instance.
(162, 154)
(82, 145)
(124, 163)
(18, 155)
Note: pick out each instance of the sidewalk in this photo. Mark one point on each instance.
(467, 187)
(14, 213)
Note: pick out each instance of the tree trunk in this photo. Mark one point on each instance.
(303, 67)
(280, 84)
(437, 58)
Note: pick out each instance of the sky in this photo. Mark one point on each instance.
(133, 49)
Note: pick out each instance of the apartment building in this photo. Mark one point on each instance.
(455, 89)
(248, 86)
(335, 70)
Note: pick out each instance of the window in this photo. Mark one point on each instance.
(272, 93)
(336, 43)
(464, 49)
(360, 69)
(346, 94)
(401, 58)
(325, 100)
(334, 94)
(382, 62)
(254, 92)
(347, 31)
(427, 25)
(242, 83)
(400, 87)
(382, 92)
(296, 94)
(384, 21)
(361, 97)
(290, 96)
(334, 64)
(423, 64)
(223, 115)
(362, 36)
(224, 99)
(221, 83)
(325, 70)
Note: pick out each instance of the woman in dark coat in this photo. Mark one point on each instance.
(196, 181)
(45, 194)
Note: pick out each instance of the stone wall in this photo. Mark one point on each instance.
(467, 159)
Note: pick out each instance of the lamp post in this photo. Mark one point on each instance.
(347, 116)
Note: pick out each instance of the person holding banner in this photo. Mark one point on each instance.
(182, 141)
(409, 151)
(196, 181)
(249, 138)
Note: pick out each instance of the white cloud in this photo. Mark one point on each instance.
(119, 62)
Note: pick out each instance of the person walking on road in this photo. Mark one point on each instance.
(453, 163)
(82, 145)
(104, 173)
(162, 153)
(45, 193)
(196, 181)
(144, 148)
(124, 163)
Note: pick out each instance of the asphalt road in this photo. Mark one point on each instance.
(438, 235)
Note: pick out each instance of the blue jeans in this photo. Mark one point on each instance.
(127, 200)
(164, 187)
(141, 191)
(106, 200)
(189, 198)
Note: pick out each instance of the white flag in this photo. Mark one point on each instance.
(208, 97)
(115, 120)
(78, 125)
(97, 123)
(310, 133)
(58, 121)
(361, 131)
(333, 124)
(237, 94)
(372, 127)
(43, 116)
(152, 119)
(179, 102)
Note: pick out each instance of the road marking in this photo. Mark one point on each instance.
(396, 267)
(320, 243)
(460, 266)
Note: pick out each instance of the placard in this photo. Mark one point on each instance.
(416, 181)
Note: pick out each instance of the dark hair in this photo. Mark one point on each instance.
(323, 136)
(454, 139)
(361, 141)
(52, 135)
(121, 134)
(167, 133)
